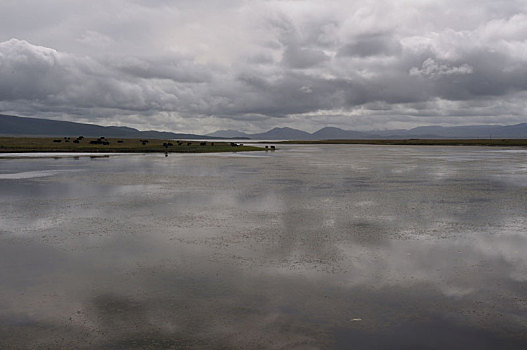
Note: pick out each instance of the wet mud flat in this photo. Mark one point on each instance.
(311, 247)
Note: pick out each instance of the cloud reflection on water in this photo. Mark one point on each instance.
(148, 252)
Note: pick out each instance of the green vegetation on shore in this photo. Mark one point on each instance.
(422, 142)
(122, 145)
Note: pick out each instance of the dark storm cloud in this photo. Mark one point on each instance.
(182, 61)
(178, 69)
(371, 45)
(296, 57)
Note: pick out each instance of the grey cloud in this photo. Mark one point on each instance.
(177, 69)
(488, 74)
(433, 69)
(371, 45)
(35, 73)
(32, 72)
(296, 57)
(260, 59)
(236, 60)
(299, 51)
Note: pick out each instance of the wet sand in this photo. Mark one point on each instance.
(310, 247)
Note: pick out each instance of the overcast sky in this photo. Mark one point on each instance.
(201, 66)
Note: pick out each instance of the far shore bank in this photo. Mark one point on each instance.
(418, 142)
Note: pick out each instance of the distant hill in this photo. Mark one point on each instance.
(21, 126)
(282, 134)
(518, 131)
(229, 134)
(473, 131)
(329, 133)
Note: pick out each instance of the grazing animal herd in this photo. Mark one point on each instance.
(105, 142)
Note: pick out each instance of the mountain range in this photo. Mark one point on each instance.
(517, 131)
(22, 126)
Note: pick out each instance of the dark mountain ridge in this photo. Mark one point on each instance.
(22, 126)
(518, 131)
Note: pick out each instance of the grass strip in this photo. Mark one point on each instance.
(120, 145)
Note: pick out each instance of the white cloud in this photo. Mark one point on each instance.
(432, 69)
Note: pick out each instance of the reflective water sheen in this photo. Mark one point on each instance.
(308, 247)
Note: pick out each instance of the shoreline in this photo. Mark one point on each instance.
(416, 142)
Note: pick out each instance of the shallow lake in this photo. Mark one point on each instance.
(308, 247)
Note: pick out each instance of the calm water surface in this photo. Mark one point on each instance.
(308, 247)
